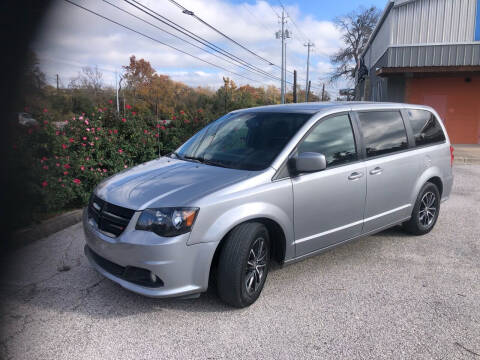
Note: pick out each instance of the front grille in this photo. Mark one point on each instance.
(111, 219)
(131, 274)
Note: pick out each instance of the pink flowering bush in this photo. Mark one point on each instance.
(58, 166)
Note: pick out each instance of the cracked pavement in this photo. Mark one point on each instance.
(385, 296)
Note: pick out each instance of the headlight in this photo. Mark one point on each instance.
(167, 222)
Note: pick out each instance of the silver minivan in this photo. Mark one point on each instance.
(274, 183)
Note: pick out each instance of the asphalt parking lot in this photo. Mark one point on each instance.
(389, 296)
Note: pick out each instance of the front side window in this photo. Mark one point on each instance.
(333, 137)
(383, 132)
(425, 127)
(245, 140)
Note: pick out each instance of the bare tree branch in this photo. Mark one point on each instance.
(356, 26)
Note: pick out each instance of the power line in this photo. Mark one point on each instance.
(195, 37)
(305, 38)
(191, 13)
(256, 17)
(271, 7)
(188, 42)
(158, 41)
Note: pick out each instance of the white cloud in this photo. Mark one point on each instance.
(72, 38)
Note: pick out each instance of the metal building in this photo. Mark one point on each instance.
(428, 52)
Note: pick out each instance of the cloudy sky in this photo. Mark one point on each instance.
(72, 38)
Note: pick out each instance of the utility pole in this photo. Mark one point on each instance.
(225, 98)
(323, 92)
(294, 86)
(283, 54)
(57, 82)
(116, 89)
(120, 92)
(308, 89)
(308, 45)
(283, 34)
(285, 70)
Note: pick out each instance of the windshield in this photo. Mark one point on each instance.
(245, 140)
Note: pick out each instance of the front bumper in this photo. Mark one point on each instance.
(183, 269)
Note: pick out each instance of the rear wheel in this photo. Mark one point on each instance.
(243, 264)
(426, 210)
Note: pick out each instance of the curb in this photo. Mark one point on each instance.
(48, 227)
(460, 160)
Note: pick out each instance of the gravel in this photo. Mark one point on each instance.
(383, 296)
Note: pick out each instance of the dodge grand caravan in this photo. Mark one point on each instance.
(276, 183)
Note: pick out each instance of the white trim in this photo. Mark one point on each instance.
(406, 2)
(387, 212)
(350, 225)
(319, 251)
(327, 232)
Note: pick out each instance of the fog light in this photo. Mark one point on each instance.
(153, 277)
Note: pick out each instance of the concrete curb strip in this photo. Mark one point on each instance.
(48, 227)
(466, 160)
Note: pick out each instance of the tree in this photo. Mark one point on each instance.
(90, 79)
(356, 26)
(139, 73)
(225, 95)
(32, 85)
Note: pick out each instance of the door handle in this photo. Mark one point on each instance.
(355, 175)
(376, 171)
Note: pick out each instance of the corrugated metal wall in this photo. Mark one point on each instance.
(381, 42)
(426, 22)
(433, 21)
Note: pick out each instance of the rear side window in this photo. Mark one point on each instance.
(425, 127)
(383, 132)
(333, 137)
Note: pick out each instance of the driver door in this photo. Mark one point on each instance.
(329, 204)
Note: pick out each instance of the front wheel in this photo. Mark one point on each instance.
(243, 264)
(425, 212)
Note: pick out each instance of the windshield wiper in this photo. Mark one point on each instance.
(177, 155)
(214, 163)
(192, 158)
(199, 160)
(185, 158)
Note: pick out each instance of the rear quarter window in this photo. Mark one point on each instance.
(383, 132)
(425, 127)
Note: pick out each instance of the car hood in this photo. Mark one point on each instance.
(166, 182)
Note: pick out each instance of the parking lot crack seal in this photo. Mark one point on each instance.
(466, 349)
(87, 292)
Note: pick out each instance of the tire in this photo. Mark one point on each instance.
(243, 264)
(423, 221)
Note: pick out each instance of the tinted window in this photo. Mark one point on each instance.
(245, 140)
(333, 137)
(383, 132)
(425, 127)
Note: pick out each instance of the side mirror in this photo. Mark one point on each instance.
(308, 162)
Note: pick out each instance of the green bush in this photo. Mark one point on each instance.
(57, 166)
